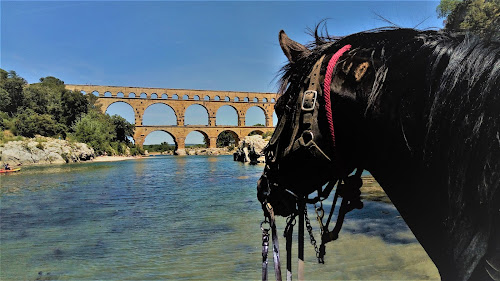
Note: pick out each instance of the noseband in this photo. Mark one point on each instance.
(303, 114)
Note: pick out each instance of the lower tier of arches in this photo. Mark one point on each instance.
(210, 134)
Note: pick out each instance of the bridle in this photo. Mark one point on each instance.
(306, 140)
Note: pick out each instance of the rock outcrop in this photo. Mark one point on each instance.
(209, 151)
(42, 150)
(250, 150)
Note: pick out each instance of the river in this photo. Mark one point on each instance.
(172, 218)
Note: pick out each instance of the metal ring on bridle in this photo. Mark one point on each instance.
(262, 225)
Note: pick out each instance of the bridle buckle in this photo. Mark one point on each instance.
(309, 100)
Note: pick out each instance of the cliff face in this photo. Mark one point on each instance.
(250, 150)
(44, 150)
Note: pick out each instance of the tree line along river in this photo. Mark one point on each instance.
(170, 218)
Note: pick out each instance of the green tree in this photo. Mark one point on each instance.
(95, 129)
(52, 81)
(43, 100)
(123, 129)
(28, 123)
(225, 139)
(164, 147)
(73, 105)
(481, 17)
(4, 100)
(13, 85)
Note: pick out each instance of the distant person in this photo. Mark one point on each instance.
(7, 167)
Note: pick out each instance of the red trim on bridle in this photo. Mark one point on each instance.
(326, 88)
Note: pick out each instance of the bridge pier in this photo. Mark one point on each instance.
(181, 146)
(213, 142)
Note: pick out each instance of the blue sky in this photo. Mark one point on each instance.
(219, 45)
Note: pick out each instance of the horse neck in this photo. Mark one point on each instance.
(395, 161)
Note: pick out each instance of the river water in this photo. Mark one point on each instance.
(171, 218)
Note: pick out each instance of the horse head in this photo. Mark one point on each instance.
(419, 111)
(305, 152)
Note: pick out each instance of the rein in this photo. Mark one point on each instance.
(348, 188)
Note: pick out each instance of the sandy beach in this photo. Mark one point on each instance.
(114, 158)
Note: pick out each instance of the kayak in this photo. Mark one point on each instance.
(10, 171)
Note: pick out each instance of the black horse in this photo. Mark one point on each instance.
(420, 110)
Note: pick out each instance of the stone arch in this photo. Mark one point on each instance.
(216, 98)
(185, 97)
(196, 97)
(255, 100)
(154, 96)
(203, 133)
(189, 120)
(164, 96)
(107, 94)
(126, 112)
(120, 95)
(235, 136)
(273, 100)
(155, 109)
(227, 98)
(131, 95)
(253, 116)
(256, 132)
(95, 93)
(83, 92)
(264, 100)
(175, 97)
(175, 140)
(245, 99)
(236, 99)
(206, 98)
(223, 114)
(143, 95)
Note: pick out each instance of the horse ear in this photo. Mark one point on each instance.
(293, 50)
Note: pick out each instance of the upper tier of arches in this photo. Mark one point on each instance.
(174, 94)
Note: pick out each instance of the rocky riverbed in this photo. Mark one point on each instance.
(43, 150)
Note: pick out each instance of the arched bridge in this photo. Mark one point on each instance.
(179, 100)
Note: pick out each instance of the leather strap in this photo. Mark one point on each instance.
(300, 267)
(276, 245)
(313, 85)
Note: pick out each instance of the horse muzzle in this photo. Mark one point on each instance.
(269, 191)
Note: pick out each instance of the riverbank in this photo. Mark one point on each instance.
(44, 150)
(114, 158)
(199, 151)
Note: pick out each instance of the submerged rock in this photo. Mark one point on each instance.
(43, 150)
(250, 150)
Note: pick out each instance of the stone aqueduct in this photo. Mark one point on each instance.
(179, 100)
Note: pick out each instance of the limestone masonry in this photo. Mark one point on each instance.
(179, 100)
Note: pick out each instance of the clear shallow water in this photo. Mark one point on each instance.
(162, 218)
